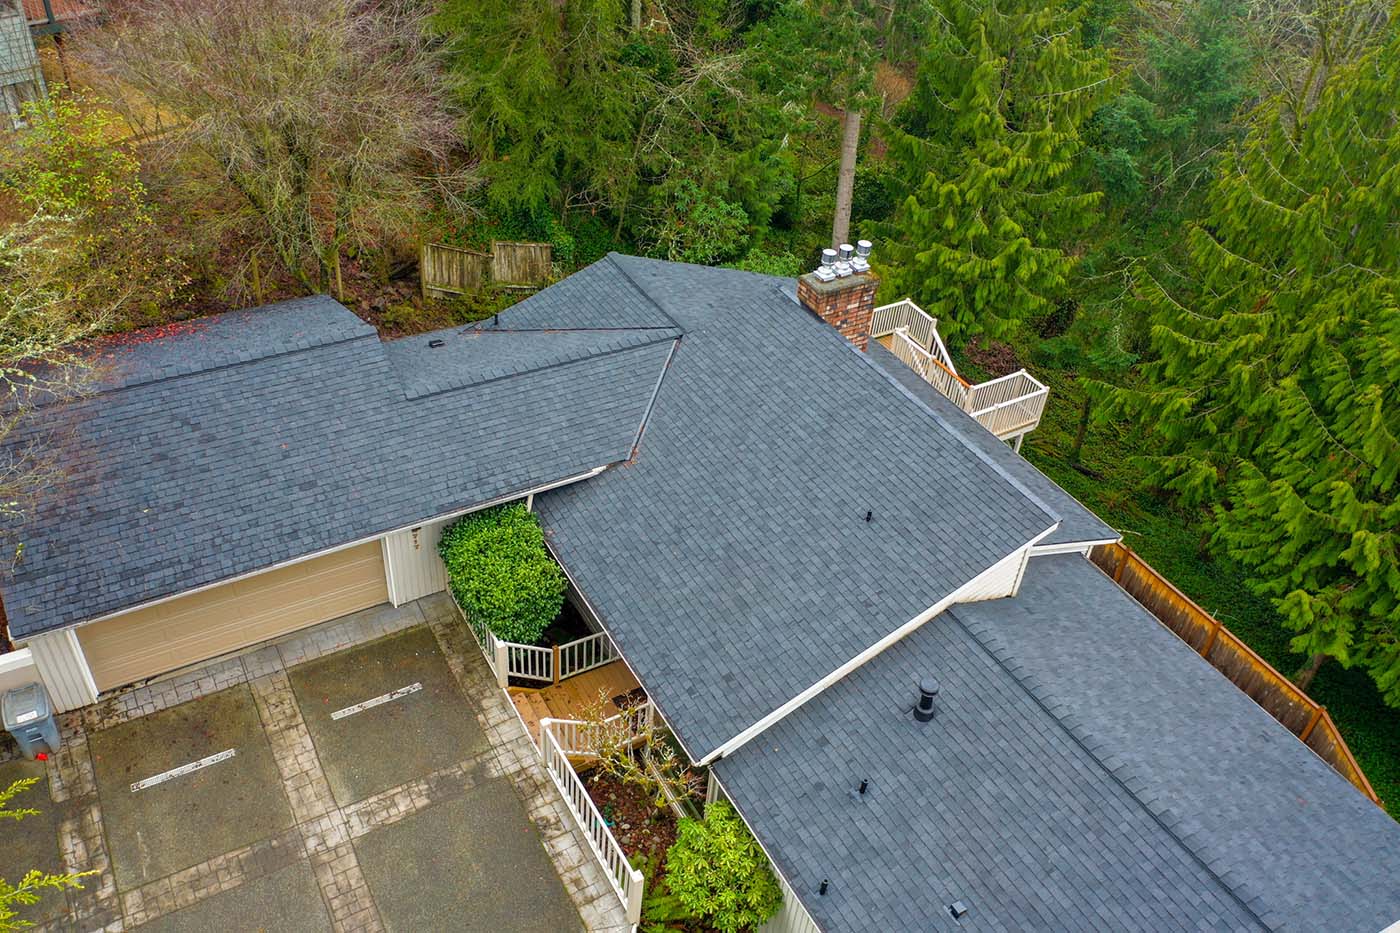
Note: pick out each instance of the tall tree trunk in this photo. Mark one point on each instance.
(1078, 446)
(1307, 672)
(636, 19)
(846, 177)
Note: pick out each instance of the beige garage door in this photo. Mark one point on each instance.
(182, 631)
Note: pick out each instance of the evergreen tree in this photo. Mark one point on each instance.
(1275, 397)
(983, 148)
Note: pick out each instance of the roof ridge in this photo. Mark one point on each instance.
(234, 364)
(552, 364)
(987, 638)
(612, 258)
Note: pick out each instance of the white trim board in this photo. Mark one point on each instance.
(859, 660)
(1072, 547)
(324, 551)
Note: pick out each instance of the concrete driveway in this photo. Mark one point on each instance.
(300, 788)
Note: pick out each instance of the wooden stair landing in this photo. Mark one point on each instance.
(569, 698)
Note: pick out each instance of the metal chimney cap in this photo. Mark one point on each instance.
(863, 248)
(846, 251)
(929, 687)
(825, 272)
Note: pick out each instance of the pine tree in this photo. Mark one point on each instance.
(982, 149)
(1275, 397)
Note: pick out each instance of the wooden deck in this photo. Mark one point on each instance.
(569, 698)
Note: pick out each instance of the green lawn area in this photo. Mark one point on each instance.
(1172, 541)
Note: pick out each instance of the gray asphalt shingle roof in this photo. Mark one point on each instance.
(1086, 770)
(1077, 524)
(208, 458)
(730, 559)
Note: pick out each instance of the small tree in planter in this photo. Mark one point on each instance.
(501, 573)
(719, 873)
(635, 758)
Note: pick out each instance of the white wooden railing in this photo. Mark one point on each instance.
(942, 377)
(585, 654)
(626, 880)
(1009, 406)
(531, 662)
(923, 330)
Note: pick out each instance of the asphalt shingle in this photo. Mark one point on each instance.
(730, 559)
(194, 467)
(1077, 523)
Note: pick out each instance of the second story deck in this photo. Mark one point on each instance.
(1009, 406)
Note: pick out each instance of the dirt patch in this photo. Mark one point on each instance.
(997, 358)
(640, 827)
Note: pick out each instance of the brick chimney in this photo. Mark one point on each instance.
(842, 291)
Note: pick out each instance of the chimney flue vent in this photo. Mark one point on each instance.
(928, 692)
(861, 264)
(826, 272)
(844, 254)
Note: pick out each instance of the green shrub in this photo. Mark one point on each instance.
(501, 573)
(718, 872)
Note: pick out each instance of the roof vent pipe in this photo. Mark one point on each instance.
(826, 271)
(928, 690)
(861, 264)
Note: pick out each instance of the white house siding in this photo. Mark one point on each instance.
(17, 668)
(63, 669)
(412, 563)
(1003, 579)
(793, 917)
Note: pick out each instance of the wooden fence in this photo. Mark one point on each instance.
(452, 270)
(1278, 695)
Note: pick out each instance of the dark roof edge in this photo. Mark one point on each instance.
(598, 617)
(371, 335)
(954, 432)
(1032, 689)
(651, 402)
(665, 334)
(27, 633)
(612, 258)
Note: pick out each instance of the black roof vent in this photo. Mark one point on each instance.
(957, 909)
(436, 342)
(928, 690)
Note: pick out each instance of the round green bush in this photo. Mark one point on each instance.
(717, 871)
(501, 573)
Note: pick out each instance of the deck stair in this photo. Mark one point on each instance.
(1009, 406)
(570, 698)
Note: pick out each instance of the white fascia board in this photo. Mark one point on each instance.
(1071, 547)
(511, 497)
(859, 660)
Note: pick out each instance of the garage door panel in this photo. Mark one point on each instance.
(203, 625)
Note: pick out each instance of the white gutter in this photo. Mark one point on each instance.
(511, 497)
(782, 711)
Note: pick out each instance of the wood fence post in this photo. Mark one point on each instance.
(1210, 639)
(257, 280)
(554, 667)
(1312, 723)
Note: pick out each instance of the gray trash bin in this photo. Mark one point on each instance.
(28, 716)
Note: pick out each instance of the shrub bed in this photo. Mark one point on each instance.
(501, 573)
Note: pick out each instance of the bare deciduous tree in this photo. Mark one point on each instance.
(51, 299)
(630, 751)
(311, 126)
